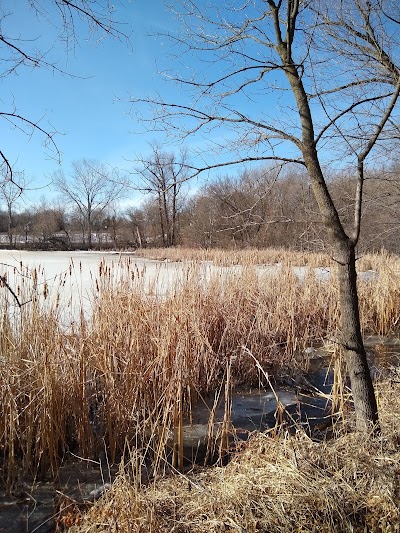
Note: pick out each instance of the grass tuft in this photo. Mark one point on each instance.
(287, 483)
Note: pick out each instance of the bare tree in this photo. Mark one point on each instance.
(48, 224)
(18, 51)
(249, 206)
(91, 189)
(10, 193)
(137, 223)
(381, 209)
(113, 223)
(162, 176)
(202, 217)
(320, 84)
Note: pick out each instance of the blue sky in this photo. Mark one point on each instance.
(87, 109)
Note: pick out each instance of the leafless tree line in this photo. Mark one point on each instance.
(256, 208)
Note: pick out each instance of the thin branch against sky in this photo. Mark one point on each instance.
(88, 113)
(75, 96)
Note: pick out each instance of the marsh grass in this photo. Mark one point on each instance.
(248, 256)
(128, 377)
(281, 484)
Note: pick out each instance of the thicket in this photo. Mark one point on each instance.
(257, 208)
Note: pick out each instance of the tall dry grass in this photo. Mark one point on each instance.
(348, 484)
(132, 374)
(379, 298)
(247, 256)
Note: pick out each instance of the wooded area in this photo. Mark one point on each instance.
(257, 208)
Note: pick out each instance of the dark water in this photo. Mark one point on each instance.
(32, 509)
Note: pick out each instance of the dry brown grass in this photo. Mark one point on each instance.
(138, 367)
(348, 484)
(266, 256)
(249, 256)
(379, 299)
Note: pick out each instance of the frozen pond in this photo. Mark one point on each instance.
(73, 276)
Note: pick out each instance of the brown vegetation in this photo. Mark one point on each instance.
(347, 484)
(145, 358)
(253, 210)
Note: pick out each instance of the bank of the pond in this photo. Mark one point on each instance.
(349, 483)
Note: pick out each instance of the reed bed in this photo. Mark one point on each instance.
(347, 484)
(130, 376)
(151, 359)
(265, 256)
(247, 256)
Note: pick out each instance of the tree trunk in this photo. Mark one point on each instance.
(351, 339)
(89, 235)
(138, 237)
(68, 238)
(174, 215)
(160, 212)
(9, 226)
(167, 218)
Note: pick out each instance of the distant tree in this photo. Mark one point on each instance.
(246, 206)
(91, 188)
(47, 221)
(62, 220)
(111, 226)
(10, 193)
(23, 224)
(137, 223)
(3, 221)
(258, 207)
(162, 175)
(203, 222)
(380, 211)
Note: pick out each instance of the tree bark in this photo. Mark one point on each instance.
(166, 216)
(89, 226)
(344, 247)
(139, 238)
(173, 214)
(160, 212)
(9, 225)
(351, 339)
